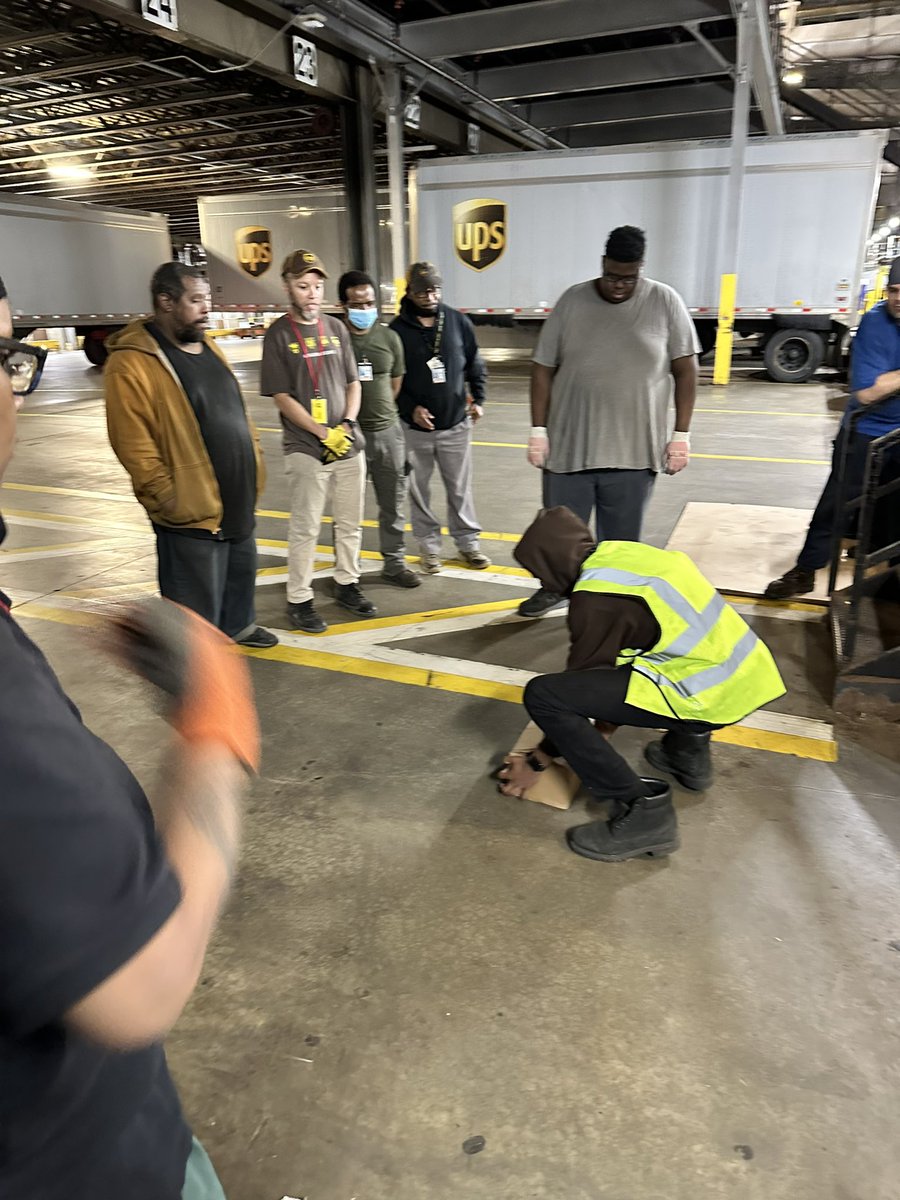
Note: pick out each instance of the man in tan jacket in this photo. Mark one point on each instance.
(178, 424)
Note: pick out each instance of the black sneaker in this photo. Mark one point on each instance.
(258, 639)
(540, 602)
(305, 618)
(403, 578)
(349, 596)
(795, 582)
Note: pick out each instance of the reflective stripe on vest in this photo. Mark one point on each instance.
(708, 664)
(698, 623)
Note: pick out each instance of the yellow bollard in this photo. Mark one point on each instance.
(725, 329)
(399, 292)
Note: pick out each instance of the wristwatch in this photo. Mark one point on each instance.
(534, 762)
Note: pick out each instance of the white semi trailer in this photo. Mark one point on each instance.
(74, 265)
(511, 232)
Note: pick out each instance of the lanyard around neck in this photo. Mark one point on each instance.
(307, 358)
(439, 333)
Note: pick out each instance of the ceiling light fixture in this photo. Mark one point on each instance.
(311, 18)
(793, 78)
(71, 171)
(893, 222)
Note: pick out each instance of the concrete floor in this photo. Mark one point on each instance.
(410, 960)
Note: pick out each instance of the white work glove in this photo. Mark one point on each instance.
(538, 446)
(678, 453)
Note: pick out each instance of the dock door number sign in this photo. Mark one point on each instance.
(306, 62)
(160, 12)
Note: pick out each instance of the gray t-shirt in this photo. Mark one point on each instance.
(284, 369)
(613, 385)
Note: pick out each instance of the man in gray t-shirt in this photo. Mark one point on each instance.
(611, 358)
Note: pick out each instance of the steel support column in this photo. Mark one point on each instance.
(729, 246)
(392, 82)
(357, 148)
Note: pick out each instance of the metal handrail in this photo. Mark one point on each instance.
(872, 491)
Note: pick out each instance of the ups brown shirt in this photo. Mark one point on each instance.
(285, 369)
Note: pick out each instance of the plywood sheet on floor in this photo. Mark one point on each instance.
(741, 547)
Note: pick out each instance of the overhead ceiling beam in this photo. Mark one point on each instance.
(543, 22)
(78, 97)
(41, 37)
(659, 129)
(147, 195)
(124, 111)
(175, 147)
(600, 108)
(847, 74)
(91, 65)
(763, 76)
(128, 131)
(630, 68)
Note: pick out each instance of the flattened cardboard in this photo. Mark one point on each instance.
(556, 786)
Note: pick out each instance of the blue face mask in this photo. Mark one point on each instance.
(362, 318)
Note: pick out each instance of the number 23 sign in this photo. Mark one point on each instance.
(160, 12)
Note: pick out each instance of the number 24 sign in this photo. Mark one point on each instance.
(160, 12)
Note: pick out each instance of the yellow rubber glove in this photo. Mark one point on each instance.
(336, 444)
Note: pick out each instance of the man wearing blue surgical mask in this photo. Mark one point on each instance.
(381, 365)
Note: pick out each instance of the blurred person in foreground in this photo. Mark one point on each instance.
(108, 907)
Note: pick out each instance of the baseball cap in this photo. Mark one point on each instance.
(422, 275)
(894, 273)
(298, 262)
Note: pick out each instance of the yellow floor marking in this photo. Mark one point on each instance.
(455, 563)
(758, 739)
(116, 497)
(766, 412)
(821, 749)
(68, 519)
(435, 614)
(809, 462)
(279, 515)
(794, 605)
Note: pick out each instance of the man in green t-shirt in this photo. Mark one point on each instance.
(381, 366)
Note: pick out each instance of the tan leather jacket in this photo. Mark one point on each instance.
(156, 436)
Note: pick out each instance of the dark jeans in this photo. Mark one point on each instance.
(563, 706)
(816, 552)
(618, 496)
(216, 579)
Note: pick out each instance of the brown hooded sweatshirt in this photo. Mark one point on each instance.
(553, 549)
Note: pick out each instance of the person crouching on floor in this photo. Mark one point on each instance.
(652, 645)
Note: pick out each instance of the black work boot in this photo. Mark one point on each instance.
(795, 582)
(685, 756)
(642, 828)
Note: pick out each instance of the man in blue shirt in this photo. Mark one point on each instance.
(874, 385)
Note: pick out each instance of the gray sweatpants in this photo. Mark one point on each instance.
(618, 496)
(386, 458)
(451, 449)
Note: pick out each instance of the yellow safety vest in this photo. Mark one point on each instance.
(708, 664)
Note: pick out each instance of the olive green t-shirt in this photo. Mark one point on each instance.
(382, 349)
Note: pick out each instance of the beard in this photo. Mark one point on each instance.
(423, 312)
(188, 334)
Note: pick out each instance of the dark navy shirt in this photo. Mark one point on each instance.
(84, 885)
(876, 349)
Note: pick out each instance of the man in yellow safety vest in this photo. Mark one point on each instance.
(653, 645)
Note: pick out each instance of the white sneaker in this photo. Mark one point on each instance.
(430, 564)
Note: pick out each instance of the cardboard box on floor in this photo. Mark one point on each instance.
(557, 785)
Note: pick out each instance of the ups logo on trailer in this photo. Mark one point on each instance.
(254, 249)
(479, 232)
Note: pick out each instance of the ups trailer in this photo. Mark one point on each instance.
(510, 232)
(77, 266)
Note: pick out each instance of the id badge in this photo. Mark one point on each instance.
(366, 372)
(320, 410)
(438, 370)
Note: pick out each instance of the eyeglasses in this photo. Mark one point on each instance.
(432, 291)
(625, 281)
(23, 363)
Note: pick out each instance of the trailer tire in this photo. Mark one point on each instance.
(94, 346)
(706, 336)
(793, 355)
